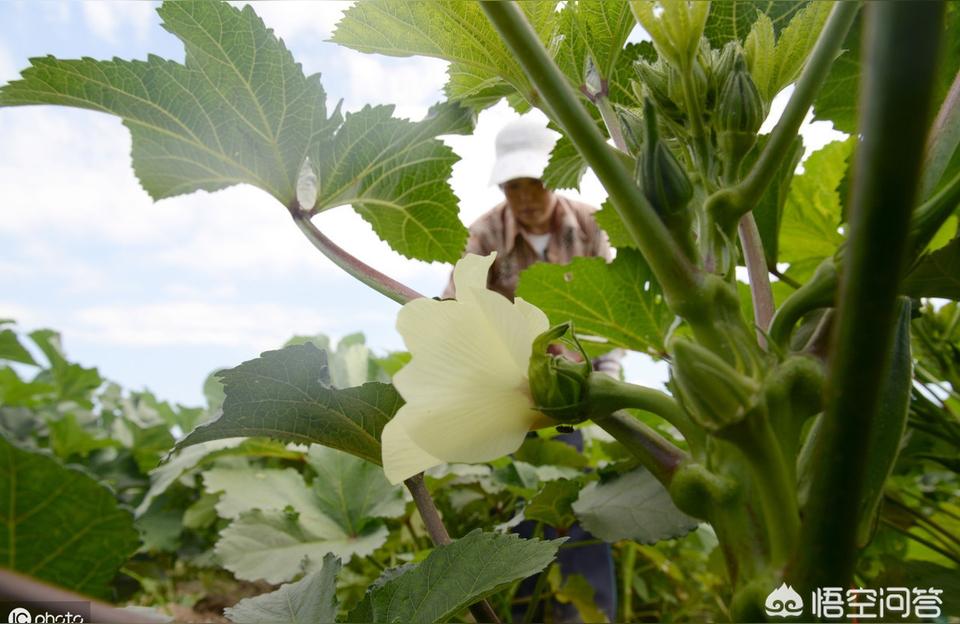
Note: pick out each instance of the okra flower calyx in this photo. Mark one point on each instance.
(558, 385)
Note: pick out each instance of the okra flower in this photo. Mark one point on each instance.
(466, 386)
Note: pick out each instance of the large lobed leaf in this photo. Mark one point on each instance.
(311, 600)
(453, 577)
(240, 110)
(620, 301)
(59, 524)
(287, 395)
(731, 20)
(937, 274)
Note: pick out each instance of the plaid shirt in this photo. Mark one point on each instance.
(573, 233)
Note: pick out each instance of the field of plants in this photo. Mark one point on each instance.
(802, 466)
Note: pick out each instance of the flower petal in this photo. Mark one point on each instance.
(401, 457)
(471, 272)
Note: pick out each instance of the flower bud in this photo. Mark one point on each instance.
(660, 176)
(654, 79)
(631, 123)
(557, 385)
(722, 65)
(739, 114)
(716, 394)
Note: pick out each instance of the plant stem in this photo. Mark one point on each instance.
(626, 593)
(675, 273)
(656, 454)
(895, 98)
(932, 214)
(607, 395)
(373, 278)
(731, 203)
(482, 610)
(697, 131)
(535, 597)
(760, 290)
(943, 139)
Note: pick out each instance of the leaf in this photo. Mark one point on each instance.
(619, 301)
(610, 222)
(552, 504)
(812, 213)
(286, 395)
(594, 31)
(730, 20)
(937, 274)
(60, 525)
(352, 491)
(758, 51)
(577, 590)
(241, 111)
(452, 30)
(795, 43)
(311, 600)
(12, 350)
(276, 546)
(394, 173)
(837, 99)
(769, 210)
(541, 452)
(245, 488)
(632, 506)
(455, 576)
(566, 166)
(68, 437)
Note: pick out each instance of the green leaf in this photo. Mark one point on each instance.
(71, 382)
(452, 30)
(758, 50)
(813, 210)
(453, 577)
(794, 45)
(541, 452)
(352, 491)
(769, 210)
(610, 222)
(552, 505)
(596, 31)
(12, 350)
(244, 488)
(394, 173)
(277, 546)
(937, 274)
(632, 506)
(577, 590)
(240, 110)
(619, 301)
(286, 395)
(566, 166)
(59, 524)
(837, 100)
(311, 600)
(68, 437)
(16, 392)
(730, 20)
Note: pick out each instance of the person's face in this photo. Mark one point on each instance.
(531, 203)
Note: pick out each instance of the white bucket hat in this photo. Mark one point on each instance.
(523, 150)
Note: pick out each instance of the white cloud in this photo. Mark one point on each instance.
(299, 20)
(413, 83)
(108, 19)
(184, 322)
(8, 68)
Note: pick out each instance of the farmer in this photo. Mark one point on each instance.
(534, 224)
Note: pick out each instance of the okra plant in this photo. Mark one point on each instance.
(789, 392)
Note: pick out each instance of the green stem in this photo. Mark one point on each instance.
(373, 278)
(729, 204)
(895, 101)
(931, 215)
(656, 454)
(760, 290)
(818, 292)
(678, 277)
(535, 597)
(697, 131)
(607, 395)
(943, 139)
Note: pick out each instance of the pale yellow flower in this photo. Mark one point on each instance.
(466, 391)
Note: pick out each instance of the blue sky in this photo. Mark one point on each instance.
(159, 294)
